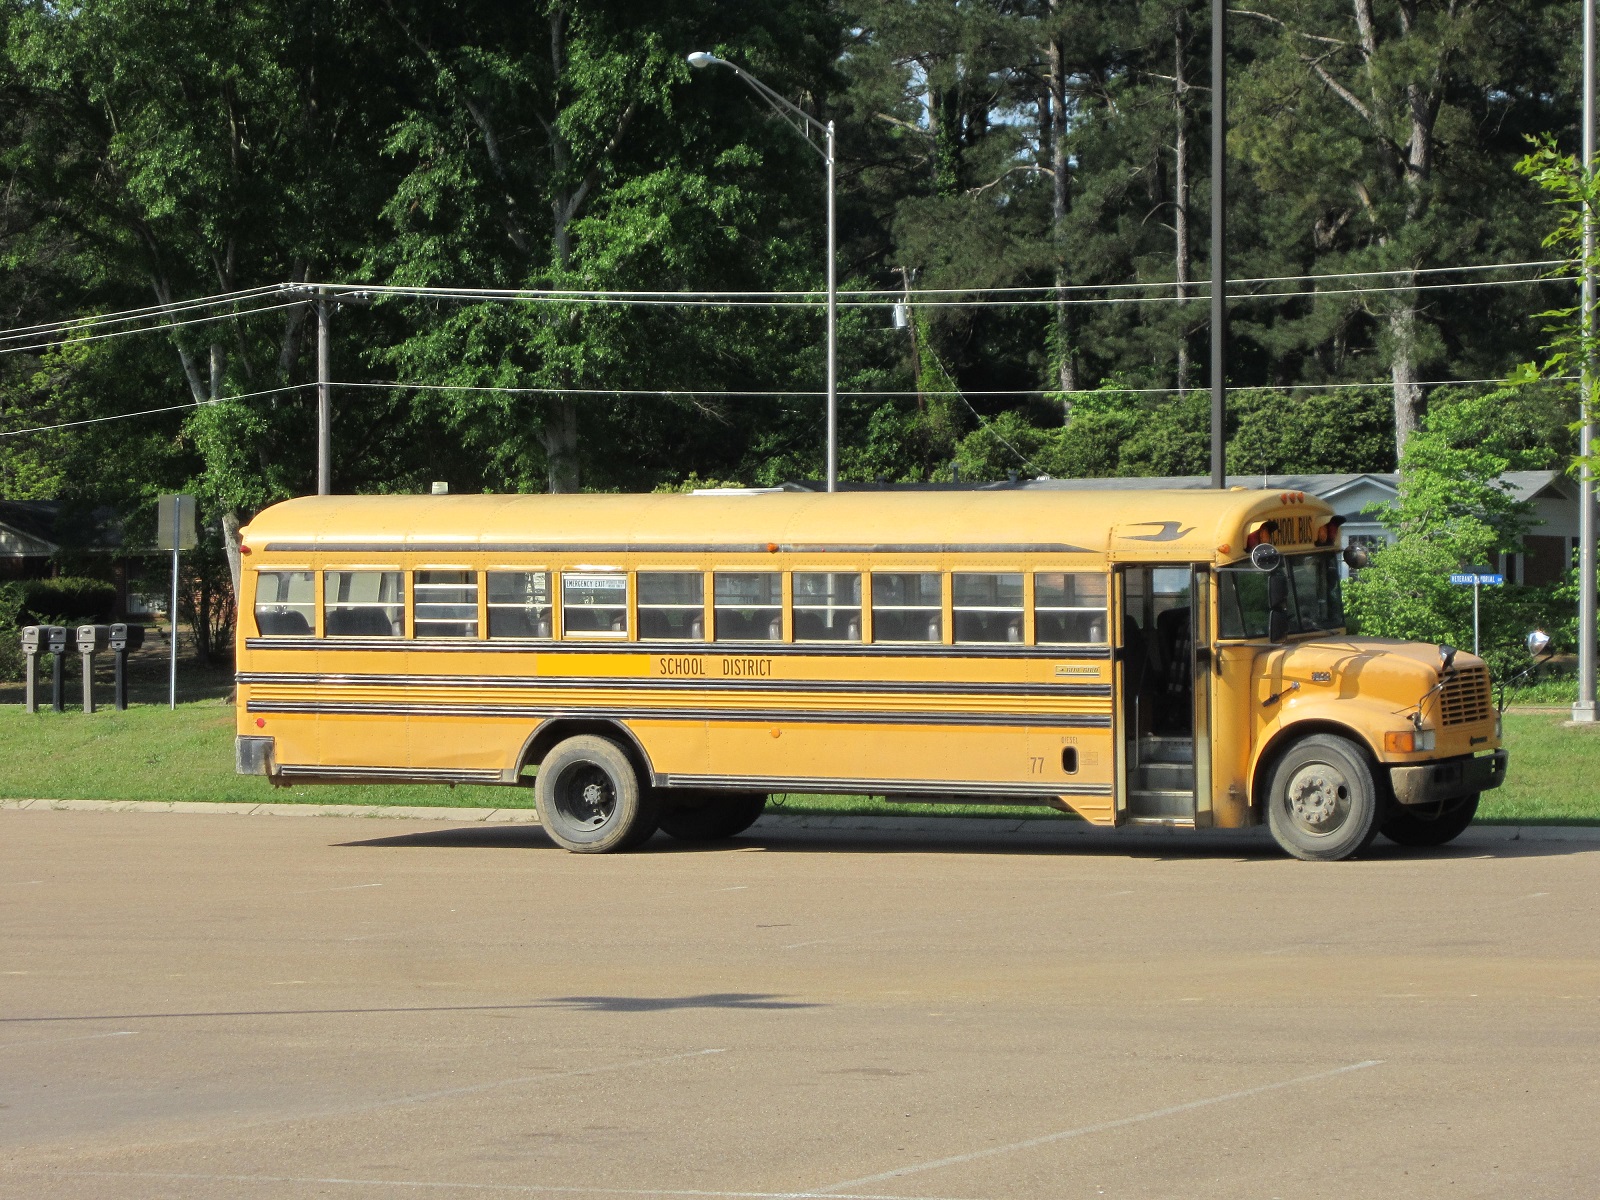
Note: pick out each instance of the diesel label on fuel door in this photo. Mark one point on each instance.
(1065, 670)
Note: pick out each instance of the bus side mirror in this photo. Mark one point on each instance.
(1277, 590)
(1277, 626)
(1356, 557)
(1538, 643)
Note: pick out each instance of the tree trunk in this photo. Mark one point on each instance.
(1180, 192)
(1408, 399)
(559, 437)
(230, 547)
(1066, 371)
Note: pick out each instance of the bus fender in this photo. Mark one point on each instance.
(1285, 736)
(554, 730)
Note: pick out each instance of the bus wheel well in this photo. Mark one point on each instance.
(1261, 780)
(556, 730)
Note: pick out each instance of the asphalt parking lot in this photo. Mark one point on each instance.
(201, 1006)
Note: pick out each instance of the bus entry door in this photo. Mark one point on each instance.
(1163, 682)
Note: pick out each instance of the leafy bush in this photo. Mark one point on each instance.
(10, 646)
(69, 600)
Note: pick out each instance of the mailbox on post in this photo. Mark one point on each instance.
(91, 640)
(55, 641)
(34, 643)
(122, 639)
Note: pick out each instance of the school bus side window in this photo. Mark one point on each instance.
(1069, 607)
(987, 607)
(749, 606)
(364, 604)
(594, 605)
(672, 606)
(285, 603)
(446, 604)
(827, 607)
(519, 604)
(908, 607)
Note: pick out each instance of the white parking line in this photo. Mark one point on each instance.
(835, 1189)
(88, 1037)
(531, 1189)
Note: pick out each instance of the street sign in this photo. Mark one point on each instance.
(175, 529)
(1474, 578)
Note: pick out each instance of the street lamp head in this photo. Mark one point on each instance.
(701, 59)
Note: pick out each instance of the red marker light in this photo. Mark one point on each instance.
(261, 722)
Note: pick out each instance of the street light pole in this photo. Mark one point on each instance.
(1219, 240)
(1584, 709)
(785, 108)
(324, 399)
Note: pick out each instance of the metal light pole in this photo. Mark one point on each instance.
(1219, 238)
(786, 109)
(324, 400)
(1584, 709)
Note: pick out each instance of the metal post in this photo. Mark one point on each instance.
(88, 682)
(57, 683)
(1475, 582)
(833, 335)
(172, 668)
(119, 690)
(324, 401)
(1584, 709)
(1219, 245)
(30, 694)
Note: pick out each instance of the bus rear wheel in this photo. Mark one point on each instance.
(590, 799)
(1429, 824)
(1322, 805)
(711, 816)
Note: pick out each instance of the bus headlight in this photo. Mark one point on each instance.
(1408, 741)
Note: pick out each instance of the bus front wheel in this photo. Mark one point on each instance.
(1429, 824)
(711, 816)
(590, 799)
(1323, 801)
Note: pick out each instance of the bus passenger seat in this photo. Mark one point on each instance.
(287, 623)
(1014, 630)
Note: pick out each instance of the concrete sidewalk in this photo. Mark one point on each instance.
(1031, 829)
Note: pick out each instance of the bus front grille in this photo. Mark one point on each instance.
(1464, 698)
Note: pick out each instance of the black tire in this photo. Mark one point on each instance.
(710, 816)
(1323, 803)
(590, 798)
(1429, 824)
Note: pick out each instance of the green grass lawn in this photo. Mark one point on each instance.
(151, 753)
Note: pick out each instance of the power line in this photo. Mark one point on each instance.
(148, 412)
(35, 338)
(750, 394)
(125, 316)
(161, 328)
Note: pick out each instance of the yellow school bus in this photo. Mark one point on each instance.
(1174, 658)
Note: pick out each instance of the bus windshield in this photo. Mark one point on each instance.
(1314, 604)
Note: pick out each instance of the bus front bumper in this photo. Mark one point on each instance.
(1452, 779)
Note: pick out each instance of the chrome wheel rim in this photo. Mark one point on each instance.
(1318, 799)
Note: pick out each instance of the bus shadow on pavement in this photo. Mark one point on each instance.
(851, 841)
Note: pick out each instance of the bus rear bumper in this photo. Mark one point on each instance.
(1452, 779)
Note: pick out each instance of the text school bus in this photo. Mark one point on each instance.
(1171, 658)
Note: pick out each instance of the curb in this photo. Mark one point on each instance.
(1037, 829)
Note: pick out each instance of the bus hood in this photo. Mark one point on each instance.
(1393, 672)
